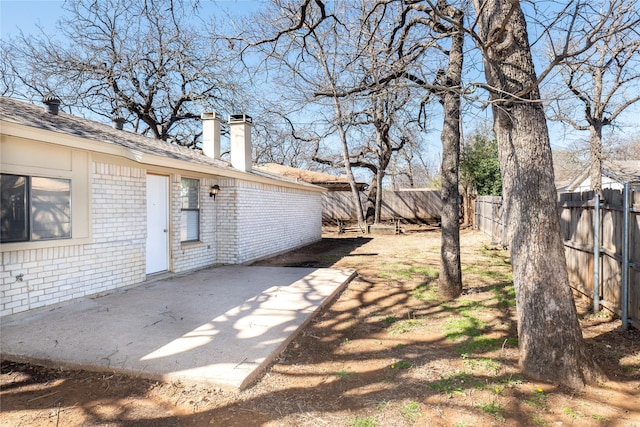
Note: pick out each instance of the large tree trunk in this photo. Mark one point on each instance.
(595, 156)
(550, 338)
(450, 278)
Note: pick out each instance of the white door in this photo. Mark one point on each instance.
(157, 223)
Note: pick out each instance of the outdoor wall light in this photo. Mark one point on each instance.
(214, 190)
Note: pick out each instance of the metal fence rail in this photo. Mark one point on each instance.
(602, 245)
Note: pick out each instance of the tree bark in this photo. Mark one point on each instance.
(595, 156)
(549, 335)
(450, 278)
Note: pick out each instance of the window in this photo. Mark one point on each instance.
(34, 208)
(190, 204)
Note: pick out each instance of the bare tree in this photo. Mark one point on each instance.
(549, 335)
(144, 61)
(604, 79)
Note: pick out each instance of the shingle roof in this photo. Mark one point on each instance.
(24, 113)
(312, 177)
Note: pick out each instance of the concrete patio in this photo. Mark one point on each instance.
(221, 326)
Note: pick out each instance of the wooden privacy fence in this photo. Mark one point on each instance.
(412, 205)
(602, 245)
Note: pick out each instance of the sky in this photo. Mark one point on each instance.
(26, 15)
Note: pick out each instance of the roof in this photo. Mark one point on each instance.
(566, 166)
(34, 116)
(312, 177)
(618, 170)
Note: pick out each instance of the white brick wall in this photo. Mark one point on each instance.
(275, 219)
(193, 255)
(245, 222)
(39, 277)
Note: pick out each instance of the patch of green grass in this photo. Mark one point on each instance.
(402, 364)
(464, 306)
(343, 374)
(359, 421)
(598, 417)
(425, 292)
(506, 296)
(538, 420)
(484, 344)
(572, 413)
(537, 400)
(452, 384)
(464, 326)
(483, 363)
(407, 272)
(492, 408)
(382, 406)
(496, 253)
(389, 320)
(489, 273)
(404, 326)
(511, 380)
(410, 410)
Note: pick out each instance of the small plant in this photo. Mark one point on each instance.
(598, 417)
(411, 410)
(404, 326)
(572, 413)
(359, 421)
(402, 364)
(538, 400)
(492, 408)
(345, 341)
(343, 374)
(389, 320)
(456, 384)
(382, 406)
(538, 420)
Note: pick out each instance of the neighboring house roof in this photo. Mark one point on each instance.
(136, 147)
(620, 171)
(566, 166)
(331, 182)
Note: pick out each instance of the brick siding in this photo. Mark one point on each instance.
(247, 221)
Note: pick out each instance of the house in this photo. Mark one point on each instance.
(614, 174)
(88, 207)
(337, 201)
(328, 181)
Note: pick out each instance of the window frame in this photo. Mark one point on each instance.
(29, 217)
(190, 209)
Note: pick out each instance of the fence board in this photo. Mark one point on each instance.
(576, 211)
(412, 205)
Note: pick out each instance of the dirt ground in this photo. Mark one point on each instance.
(387, 352)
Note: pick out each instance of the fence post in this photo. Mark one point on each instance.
(596, 254)
(625, 256)
(502, 231)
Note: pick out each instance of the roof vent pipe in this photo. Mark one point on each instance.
(118, 122)
(52, 103)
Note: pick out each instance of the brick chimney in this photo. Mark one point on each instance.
(211, 135)
(240, 136)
